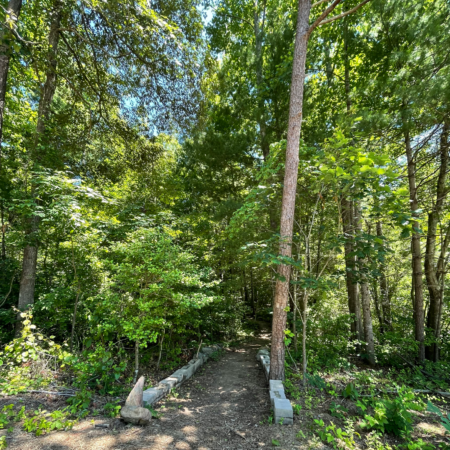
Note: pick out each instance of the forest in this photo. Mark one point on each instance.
(183, 173)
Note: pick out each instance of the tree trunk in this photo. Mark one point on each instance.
(2, 210)
(350, 267)
(28, 278)
(431, 269)
(384, 288)
(294, 320)
(415, 245)
(27, 282)
(304, 329)
(74, 321)
(365, 298)
(13, 11)
(289, 190)
(377, 305)
(252, 291)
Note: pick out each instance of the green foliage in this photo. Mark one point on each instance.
(43, 422)
(98, 369)
(112, 409)
(154, 413)
(157, 286)
(445, 421)
(350, 391)
(338, 410)
(393, 415)
(335, 436)
(291, 385)
(418, 445)
(29, 360)
(297, 408)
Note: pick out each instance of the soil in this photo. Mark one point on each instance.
(224, 406)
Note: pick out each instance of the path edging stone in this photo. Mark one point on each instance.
(156, 393)
(281, 406)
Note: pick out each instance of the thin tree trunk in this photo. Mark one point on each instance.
(431, 269)
(294, 321)
(415, 245)
(304, 355)
(75, 306)
(377, 306)
(74, 321)
(27, 283)
(365, 299)
(252, 291)
(350, 267)
(384, 287)
(277, 355)
(160, 348)
(3, 228)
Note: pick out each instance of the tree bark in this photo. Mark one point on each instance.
(415, 244)
(377, 306)
(28, 277)
(350, 267)
(431, 268)
(384, 288)
(289, 190)
(2, 211)
(29, 265)
(365, 298)
(304, 329)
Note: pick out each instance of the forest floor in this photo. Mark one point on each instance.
(224, 406)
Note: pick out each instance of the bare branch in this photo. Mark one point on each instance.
(323, 16)
(346, 13)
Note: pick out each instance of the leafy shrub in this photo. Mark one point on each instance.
(350, 391)
(335, 436)
(98, 368)
(29, 360)
(392, 415)
(43, 422)
(338, 411)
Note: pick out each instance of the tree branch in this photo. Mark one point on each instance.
(346, 13)
(323, 16)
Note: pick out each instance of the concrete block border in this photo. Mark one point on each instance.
(154, 394)
(281, 406)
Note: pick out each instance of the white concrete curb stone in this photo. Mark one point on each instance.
(281, 406)
(154, 394)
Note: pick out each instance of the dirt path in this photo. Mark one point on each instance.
(224, 406)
